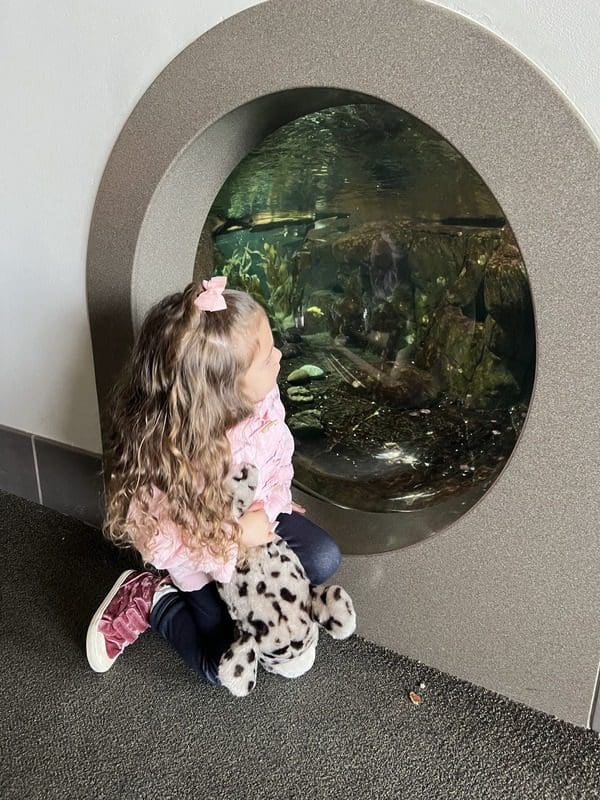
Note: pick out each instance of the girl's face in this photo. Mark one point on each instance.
(261, 375)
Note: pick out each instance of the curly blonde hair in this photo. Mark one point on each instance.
(172, 407)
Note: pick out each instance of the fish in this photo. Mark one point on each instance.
(316, 311)
(268, 220)
(328, 222)
(313, 236)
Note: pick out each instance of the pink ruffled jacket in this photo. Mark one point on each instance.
(263, 440)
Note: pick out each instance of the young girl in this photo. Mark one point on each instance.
(199, 399)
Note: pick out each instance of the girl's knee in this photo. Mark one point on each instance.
(326, 559)
(318, 552)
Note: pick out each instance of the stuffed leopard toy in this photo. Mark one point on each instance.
(276, 609)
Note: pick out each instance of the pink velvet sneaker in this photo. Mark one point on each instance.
(122, 616)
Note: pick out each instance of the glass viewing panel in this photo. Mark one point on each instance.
(398, 295)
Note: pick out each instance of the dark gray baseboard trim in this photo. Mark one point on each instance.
(53, 474)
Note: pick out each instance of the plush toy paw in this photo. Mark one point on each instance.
(333, 609)
(297, 666)
(238, 666)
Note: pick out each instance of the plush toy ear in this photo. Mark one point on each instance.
(243, 488)
(238, 666)
(332, 608)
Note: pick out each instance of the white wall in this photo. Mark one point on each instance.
(76, 71)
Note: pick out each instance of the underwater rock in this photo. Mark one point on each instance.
(378, 341)
(493, 385)
(456, 343)
(306, 423)
(510, 326)
(306, 373)
(447, 267)
(464, 290)
(458, 346)
(506, 288)
(436, 260)
(298, 376)
(298, 394)
(292, 335)
(440, 254)
(498, 341)
(517, 354)
(408, 385)
(324, 298)
(346, 315)
(480, 334)
(386, 328)
(290, 350)
(385, 318)
(356, 246)
(313, 371)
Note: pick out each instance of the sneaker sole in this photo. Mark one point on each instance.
(95, 647)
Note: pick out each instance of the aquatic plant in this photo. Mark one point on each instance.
(237, 270)
(279, 293)
(282, 279)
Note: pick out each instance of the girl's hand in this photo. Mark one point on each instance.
(256, 527)
(299, 509)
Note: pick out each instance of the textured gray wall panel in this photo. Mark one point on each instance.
(507, 596)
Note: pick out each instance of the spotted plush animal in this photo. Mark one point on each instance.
(276, 609)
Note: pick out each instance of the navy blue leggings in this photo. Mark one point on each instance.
(197, 624)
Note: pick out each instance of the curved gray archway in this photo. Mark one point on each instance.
(533, 537)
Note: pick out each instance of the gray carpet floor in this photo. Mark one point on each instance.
(149, 729)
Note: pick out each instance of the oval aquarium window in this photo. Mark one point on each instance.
(398, 295)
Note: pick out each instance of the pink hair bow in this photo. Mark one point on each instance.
(211, 299)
